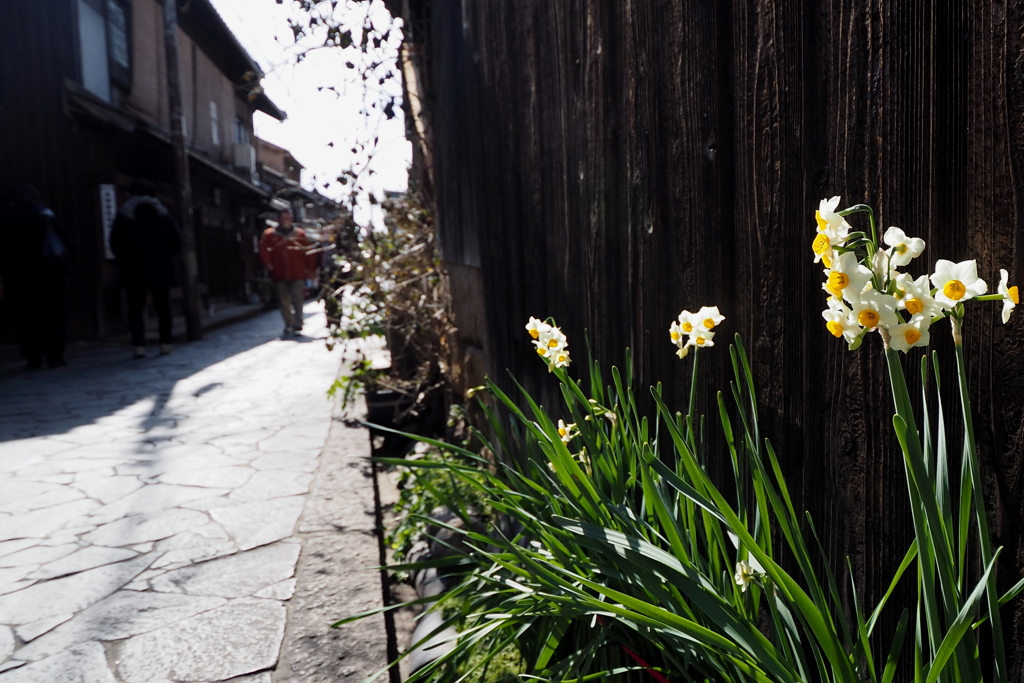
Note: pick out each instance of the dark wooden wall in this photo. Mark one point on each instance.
(611, 163)
(38, 145)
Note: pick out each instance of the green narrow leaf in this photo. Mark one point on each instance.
(961, 625)
(907, 559)
(1012, 593)
(980, 515)
(889, 673)
(942, 483)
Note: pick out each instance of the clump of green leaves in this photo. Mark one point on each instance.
(390, 283)
(614, 554)
(423, 491)
(503, 667)
(350, 385)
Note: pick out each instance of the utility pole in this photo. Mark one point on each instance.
(182, 181)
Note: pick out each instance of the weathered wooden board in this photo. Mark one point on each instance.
(610, 163)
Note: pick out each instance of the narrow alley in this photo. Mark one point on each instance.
(202, 516)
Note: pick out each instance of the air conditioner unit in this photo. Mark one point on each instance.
(245, 157)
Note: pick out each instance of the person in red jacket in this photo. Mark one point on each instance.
(285, 252)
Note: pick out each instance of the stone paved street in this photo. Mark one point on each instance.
(150, 509)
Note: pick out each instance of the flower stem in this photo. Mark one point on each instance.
(935, 566)
(692, 409)
(974, 465)
(874, 231)
(864, 208)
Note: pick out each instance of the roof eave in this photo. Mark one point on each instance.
(266, 105)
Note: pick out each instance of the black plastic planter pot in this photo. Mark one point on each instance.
(384, 407)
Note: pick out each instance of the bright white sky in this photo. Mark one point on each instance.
(317, 117)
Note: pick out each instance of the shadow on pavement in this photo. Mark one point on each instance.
(101, 379)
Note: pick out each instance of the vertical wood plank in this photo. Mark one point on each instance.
(616, 161)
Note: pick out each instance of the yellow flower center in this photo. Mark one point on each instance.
(699, 341)
(821, 244)
(838, 281)
(674, 335)
(826, 260)
(900, 248)
(542, 351)
(687, 327)
(534, 333)
(552, 343)
(868, 318)
(709, 323)
(835, 328)
(912, 337)
(822, 223)
(1012, 293)
(954, 289)
(914, 306)
(563, 358)
(562, 431)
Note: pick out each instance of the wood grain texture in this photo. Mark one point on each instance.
(612, 162)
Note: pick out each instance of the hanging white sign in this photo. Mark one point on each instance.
(108, 210)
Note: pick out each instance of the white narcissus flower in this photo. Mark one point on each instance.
(550, 343)
(1011, 297)
(701, 337)
(676, 334)
(882, 266)
(847, 278)
(900, 282)
(822, 248)
(695, 329)
(840, 321)
(707, 317)
(567, 431)
(535, 327)
(905, 336)
(833, 231)
(744, 575)
(876, 309)
(902, 249)
(957, 282)
(550, 340)
(915, 296)
(828, 219)
(679, 331)
(686, 322)
(559, 359)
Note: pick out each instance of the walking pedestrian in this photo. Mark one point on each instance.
(144, 239)
(286, 253)
(35, 269)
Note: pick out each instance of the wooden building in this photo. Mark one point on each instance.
(611, 163)
(281, 172)
(84, 111)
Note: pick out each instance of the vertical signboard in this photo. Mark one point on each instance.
(108, 210)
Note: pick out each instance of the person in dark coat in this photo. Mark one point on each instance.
(144, 239)
(35, 269)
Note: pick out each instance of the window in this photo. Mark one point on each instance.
(92, 40)
(240, 132)
(119, 45)
(214, 125)
(104, 45)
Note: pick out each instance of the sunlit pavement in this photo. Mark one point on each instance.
(148, 508)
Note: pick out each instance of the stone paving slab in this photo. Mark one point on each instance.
(335, 527)
(150, 514)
